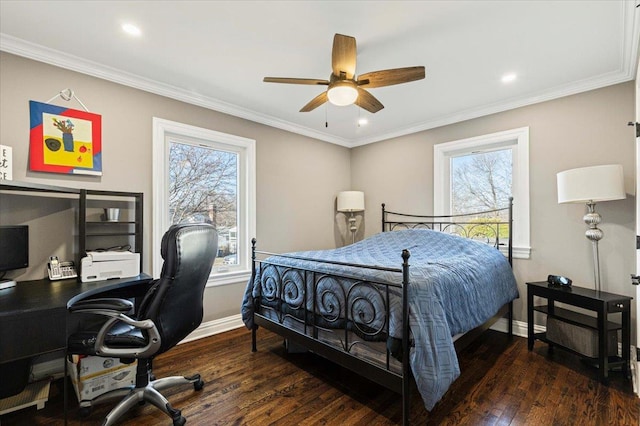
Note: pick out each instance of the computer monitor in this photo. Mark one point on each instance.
(14, 251)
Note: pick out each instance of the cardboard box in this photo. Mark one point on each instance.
(93, 375)
(580, 339)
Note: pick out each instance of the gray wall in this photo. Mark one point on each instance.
(574, 131)
(298, 177)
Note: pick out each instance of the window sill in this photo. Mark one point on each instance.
(522, 252)
(518, 252)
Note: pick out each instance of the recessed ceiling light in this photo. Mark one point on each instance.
(362, 121)
(131, 30)
(509, 77)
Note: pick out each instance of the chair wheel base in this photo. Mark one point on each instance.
(176, 415)
(198, 385)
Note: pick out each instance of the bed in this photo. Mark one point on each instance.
(395, 306)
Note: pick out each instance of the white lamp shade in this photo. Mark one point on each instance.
(597, 183)
(351, 201)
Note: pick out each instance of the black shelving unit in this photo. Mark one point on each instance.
(97, 233)
(92, 232)
(603, 304)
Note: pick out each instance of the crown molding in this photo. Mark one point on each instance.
(64, 60)
(469, 114)
(630, 30)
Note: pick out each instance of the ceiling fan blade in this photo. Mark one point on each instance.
(296, 81)
(367, 101)
(343, 56)
(390, 77)
(315, 102)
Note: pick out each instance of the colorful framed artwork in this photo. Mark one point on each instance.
(64, 140)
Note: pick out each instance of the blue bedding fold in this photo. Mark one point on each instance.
(455, 285)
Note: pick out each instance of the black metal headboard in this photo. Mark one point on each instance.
(489, 225)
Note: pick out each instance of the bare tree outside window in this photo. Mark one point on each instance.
(203, 187)
(481, 181)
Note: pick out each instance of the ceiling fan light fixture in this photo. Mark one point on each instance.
(342, 93)
(509, 77)
(131, 29)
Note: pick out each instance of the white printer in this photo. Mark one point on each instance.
(105, 265)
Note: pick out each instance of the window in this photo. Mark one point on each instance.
(481, 173)
(201, 175)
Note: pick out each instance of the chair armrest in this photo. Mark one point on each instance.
(110, 307)
(153, 336)
(112, 304)
(115, 309)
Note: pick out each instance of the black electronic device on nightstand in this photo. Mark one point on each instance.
(558, 281)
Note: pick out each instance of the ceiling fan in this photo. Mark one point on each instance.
(344, 87)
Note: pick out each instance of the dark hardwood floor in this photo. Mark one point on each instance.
(502, 383)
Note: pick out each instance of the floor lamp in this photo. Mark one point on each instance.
(351, 201)
(590, 185)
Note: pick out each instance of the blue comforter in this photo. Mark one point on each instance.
(455, 285)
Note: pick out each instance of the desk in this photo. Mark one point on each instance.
(33, 314)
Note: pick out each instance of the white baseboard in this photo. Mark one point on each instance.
(55, 368)
(519, 327)
(214, 327)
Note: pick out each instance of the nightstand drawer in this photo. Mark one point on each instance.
(618, 306)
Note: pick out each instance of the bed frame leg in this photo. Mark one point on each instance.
(254, 347)
(406, 402)
(510, 320)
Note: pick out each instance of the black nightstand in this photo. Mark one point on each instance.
(602, 303)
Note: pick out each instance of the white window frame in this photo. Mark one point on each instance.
(518, 141)
(163, 131)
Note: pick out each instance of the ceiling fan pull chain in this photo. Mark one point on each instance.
(326, 120)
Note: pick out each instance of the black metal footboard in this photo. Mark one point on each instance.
(306, 306)
(301, 308)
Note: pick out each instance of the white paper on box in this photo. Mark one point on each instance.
(92, 376)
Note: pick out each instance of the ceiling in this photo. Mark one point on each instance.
(215, 54)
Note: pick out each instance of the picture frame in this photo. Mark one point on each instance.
(64, 140)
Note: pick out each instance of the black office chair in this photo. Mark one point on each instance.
(169, 311)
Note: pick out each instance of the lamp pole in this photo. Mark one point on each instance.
(352, 227)
(594, 234)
